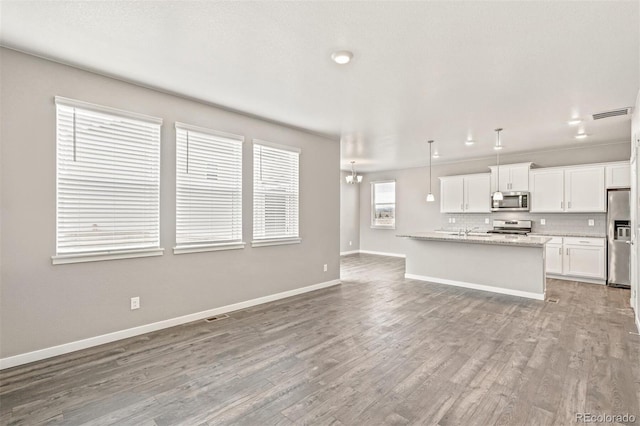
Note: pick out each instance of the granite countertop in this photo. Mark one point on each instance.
(567, 234)
(480, 238)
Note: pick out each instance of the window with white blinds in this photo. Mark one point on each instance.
(108, 182)
(208, 189)
(275, 194)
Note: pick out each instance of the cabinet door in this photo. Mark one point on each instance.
(519, 178)
(553, 254)
(547, 190)
(584, 261)
(585, 189)
(504, 178)
(618, 176)
(477, 194)
(451, 194)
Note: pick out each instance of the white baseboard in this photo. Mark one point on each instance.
(381, 253)
(40, 354)
(482, 287)
(345, 253)
(578, 279)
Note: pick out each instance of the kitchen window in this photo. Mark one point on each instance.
(108, 183)
(275, 194)
(208, 190)
(383, 205)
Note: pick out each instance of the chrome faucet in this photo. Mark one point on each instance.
(467, 231)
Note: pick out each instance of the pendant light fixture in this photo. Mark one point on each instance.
(353, 178)
(430, 196)
(497, 196)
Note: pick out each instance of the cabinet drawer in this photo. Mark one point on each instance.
(555, 240)
(575, 241)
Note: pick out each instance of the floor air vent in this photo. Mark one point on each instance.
(552, 300)
(613, 113)
(216, 318)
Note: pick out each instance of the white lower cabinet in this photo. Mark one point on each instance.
(554, 258)
(574, 257)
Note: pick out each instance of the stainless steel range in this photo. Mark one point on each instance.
(514, 227)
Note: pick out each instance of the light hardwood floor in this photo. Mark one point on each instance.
(378, 349)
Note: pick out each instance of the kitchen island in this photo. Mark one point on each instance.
(505, 264)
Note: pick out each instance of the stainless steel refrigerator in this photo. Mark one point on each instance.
(619, 238)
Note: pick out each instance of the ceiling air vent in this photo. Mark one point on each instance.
(612, 113)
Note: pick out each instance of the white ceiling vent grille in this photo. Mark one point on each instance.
(612, 113)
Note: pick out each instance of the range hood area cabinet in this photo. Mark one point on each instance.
(465, 193)
(513, 177)
(579, 189)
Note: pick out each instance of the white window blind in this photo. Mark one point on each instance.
(275, 192)
(209, 187)
(108, 179)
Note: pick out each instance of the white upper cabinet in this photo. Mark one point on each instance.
(477, 193)
(513, 177)
(547, 190)
(572, 189)
(618, 175)
(468, 194)
(452, 194)
(584, 189)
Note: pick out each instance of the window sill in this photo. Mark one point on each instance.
(208, 247)
(275, 242)
(63, 259)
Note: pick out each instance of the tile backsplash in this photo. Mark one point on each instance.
(554, 222)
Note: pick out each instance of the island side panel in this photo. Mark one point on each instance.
(508, 269)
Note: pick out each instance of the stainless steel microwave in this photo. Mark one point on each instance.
(511, 202)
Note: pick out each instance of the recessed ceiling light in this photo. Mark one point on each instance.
(497, 147)
(574, 122)
(342, 57)
(436, 155)
(581, 136)
(469, 142)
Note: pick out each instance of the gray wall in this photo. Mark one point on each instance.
(413, 213)
(44, 305)
(349, 215)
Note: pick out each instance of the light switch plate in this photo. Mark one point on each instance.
(453, 220)
(543, 221)
(486, 220)
(592, 222)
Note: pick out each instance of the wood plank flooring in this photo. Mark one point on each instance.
(378, 349)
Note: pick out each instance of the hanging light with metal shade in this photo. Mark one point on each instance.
(430, 196)
(353, 178)
(497, 196)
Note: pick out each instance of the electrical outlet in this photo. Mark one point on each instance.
(453, 220)
(543, 221)
(486, 220)
(592, 222)
(350, 243)
(135, 303)
(325, 267)
(449, 220)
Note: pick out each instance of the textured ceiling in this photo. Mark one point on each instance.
(421, 70)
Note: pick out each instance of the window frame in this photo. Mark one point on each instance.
(373, 204)
(107, 254)
(213, 245)
(272, 241)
